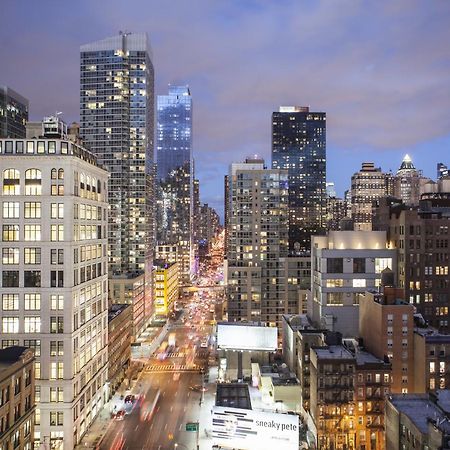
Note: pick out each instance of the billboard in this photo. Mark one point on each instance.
(246, 337)
(254, 430)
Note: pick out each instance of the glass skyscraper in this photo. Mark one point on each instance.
(13, 113)
(299, 145)
(175, 173)
(117, 116)
(174, 133)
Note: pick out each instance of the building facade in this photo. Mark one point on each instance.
(368, 186)
(13, 113)
(117, 115)
(119, 344)
(17, 398)
(345, 265)
(257, 239)
(421, 237)
(299, 146)
(54, 278)
(167, 288)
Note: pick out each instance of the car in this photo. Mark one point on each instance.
(120, 415)
(198, 388)
(204, 344)
(129, 399)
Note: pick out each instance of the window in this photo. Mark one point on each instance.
(32, 233)
(10, 324)
(57, 256)
(32, 278)
(359, 283)
(56, 233)
(11, 182)
(32, 255)
(34, 344)
(57, 210)
(56, 324)
(335, 265)
(32, 302)
(53, 174)
(10, 255)
(33, 182)
(57, 189)
(32, 210)
(56, 302)
(32, 325)
(60, 174)
(56, 348)
(359, 265)
(52, 147)
(56, 394)
(10, 233)
(37, 368)
(335, 298)
(11, 210)
(333, 283)
(57, 278)
(10, 302)
(56, 418)
(10, 278)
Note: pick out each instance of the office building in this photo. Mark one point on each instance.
(386, 326)
(336, 212)
(174, 131)
(119, 344)
(13, 113)
(17, 401)
(345, 265)
(368, 186)
(299, 146)
(176, 220)
(257, 238)
(408, 182)
(117, 115)
(420, 236)
(54, 277)
(418, 421)
(167, 288)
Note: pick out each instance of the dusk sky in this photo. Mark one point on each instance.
(380, 70)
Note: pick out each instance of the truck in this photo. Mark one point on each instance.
(172, 340)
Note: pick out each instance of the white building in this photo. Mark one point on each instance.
(345, 265)
(54, 291)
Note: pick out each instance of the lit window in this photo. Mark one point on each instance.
(359, 283)
(10, 302)
(10, 255)
(56, 302)
(32, 210)
(11, 210)
(33, 182)
(10, 324)
(11, 182)
(32, 233)
(57, 233)
(10, 233)
(32, 302)
(32, 255)
(32, 325)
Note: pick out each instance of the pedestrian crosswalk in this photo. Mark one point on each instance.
(170, 355)
(171, 368)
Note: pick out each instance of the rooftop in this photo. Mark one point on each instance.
(115, 310)
(11, 355)
(333, 352)
(281, 375)
(233, 395)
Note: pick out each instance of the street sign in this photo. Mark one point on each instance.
(192, 426)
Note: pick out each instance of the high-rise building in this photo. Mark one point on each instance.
(13, 113)
(408, 182)
(420, 235)
(345, 265)
(257, 239)
(299, 146)
(177, 190)
(54, 277)
(368, 185)
(174, 131)
(117, 125)
(442, 170)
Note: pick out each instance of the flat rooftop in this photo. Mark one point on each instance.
(421, 409)
(10, 355)
(333, 352)
(281, 376)
(233, 395)
(115, 310)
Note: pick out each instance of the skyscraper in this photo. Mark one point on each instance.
(54, 278)
(116, 110)
(299, 145)
(175, 173)
(174, 130)
(13, 113)
(257, 242)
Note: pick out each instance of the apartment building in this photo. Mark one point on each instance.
(54, 276)
(17, 398)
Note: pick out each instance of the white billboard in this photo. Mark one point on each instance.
(246, 337)
(254, 430)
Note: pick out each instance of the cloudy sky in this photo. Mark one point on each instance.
(379, 69)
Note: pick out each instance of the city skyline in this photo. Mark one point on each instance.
(360, 84)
